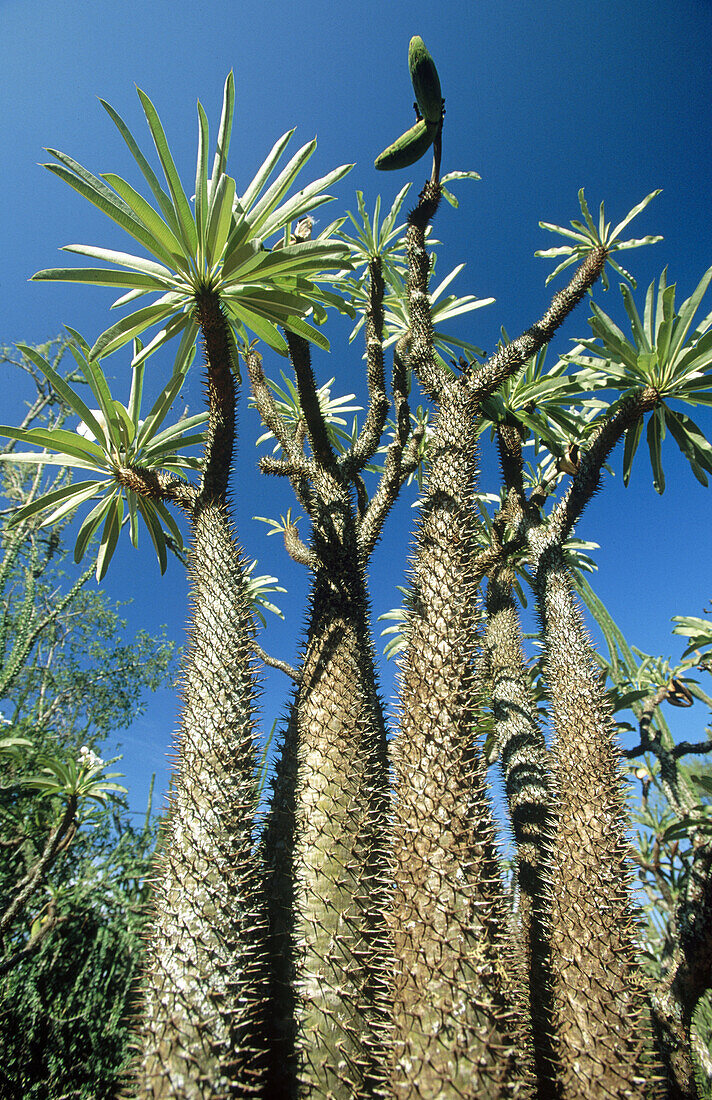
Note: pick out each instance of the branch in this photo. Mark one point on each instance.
(651, 741)
(266, 406)
(298, 550)
(422, 359)
(221, 394)
(369, 437)
(274, 662)
(508, 359)
(509, 445)
(300, 355)
(397, 465)
(587, 478)
(35, 942)
(60, 837)
(159, 486)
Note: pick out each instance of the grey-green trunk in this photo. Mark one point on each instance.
(325, 845)
(457, 1030)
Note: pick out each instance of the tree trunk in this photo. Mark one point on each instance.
(327, 876)
(458, 1032)
(205, 987)
(601, 1017)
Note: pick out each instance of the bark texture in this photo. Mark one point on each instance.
(601, 1020)
(526, 770)
(205, 976)
(325, 843)
(458, 1031)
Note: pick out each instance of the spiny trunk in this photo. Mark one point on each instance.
(525, 765)
(600, 1014)
(324, 844)
(457, 1030)
(689, 976)
(205, 972)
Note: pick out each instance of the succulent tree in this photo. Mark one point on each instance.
(206, 971)
(364, 943)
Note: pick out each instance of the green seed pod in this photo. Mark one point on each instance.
(426, 82)
(409, 147)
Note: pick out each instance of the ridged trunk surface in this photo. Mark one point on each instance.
(204, 985)
(525, 764)
(601, 1022)
(458, 1032)
(324, 844)
(205, 959)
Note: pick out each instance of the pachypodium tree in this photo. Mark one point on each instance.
(205, 977)
(366, 942)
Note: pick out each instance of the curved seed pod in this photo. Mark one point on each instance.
(409, 147)
(426, 82)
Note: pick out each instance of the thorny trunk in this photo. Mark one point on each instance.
(324, 844)
(689, 975)
(601, 1021)
(457, 1032)
(525, 764)
(204, 982)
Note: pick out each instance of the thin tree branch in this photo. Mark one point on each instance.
(369, 437)
(490, 376)
(160, 486)
(60, 838)
(587, 478)
(274, 662)
(300, 355)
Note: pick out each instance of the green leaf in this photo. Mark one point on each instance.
(259, 325)
(159, 194)
(634, 213)
(99, 387)
(136, 394)
(130, 326)
(632, 439)
(225, 130)
(161, 277)
(78, 491)
(201, 175)
(690, 439)
(704, 781)
(89, 526)
(259, 214)
(148, 515)
(687, 312)
(264, 172)
(635, 322)
(98, 193)
(654, 434)
(110, 536)
(161, 406)
(219, 219)
(165, 243)
(69, 445)
(65, 391)
(308, 332)
(99, 276)
(180, 202)
(308, 199)
(182, 323)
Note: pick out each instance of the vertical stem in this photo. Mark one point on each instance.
(525, 766)
(205, 980)
(457, 1027)
(324, 845)
(600, 1012)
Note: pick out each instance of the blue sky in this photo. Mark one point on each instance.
(541, 100)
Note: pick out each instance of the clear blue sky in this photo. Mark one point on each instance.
(542, 99)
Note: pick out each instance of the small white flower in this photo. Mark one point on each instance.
(89, 759)
(86, 431)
